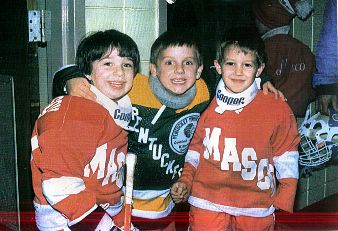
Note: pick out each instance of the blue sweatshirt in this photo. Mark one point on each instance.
(325, 79)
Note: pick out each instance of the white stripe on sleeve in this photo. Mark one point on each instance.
(57, 189)
(193, 158)
(34, 142)
(286, 165)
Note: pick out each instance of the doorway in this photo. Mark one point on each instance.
(18, 59)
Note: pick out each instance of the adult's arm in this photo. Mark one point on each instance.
(325, 79)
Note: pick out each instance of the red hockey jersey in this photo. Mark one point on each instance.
(77, 162)
(234, 159)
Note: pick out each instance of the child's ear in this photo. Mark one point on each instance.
(218, 67)
(199, 72)
(152, 68)
(260, 70)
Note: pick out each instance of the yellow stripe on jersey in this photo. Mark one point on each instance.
(157, 204)
(141, 90)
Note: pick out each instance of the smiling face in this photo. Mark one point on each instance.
(238, 69)
(177, 68)
(113, 75)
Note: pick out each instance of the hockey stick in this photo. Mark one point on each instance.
(130, 162)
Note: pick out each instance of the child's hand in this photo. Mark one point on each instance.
(179, 192)
(268, 87)
(81, 88)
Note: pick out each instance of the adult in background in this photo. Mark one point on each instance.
(325, 79)
(291, 64)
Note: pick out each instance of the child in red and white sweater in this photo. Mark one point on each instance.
(243, 143)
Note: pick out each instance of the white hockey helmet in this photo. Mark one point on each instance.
(319, 138)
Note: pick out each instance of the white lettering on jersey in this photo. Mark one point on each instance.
(121, 158)
(171, 169)
(210, 143)
(164, 155)
(143, 135)
(176, 170)
(265, 181)
(98, 164)
(113, 171)
(248, 164)
(53, 106)
(230, 155)
(136, 119)
(179, 138)
(112, 168)
(134, 114)
(157, 154)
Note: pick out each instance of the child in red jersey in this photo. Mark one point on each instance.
(243, 143)
(78, 145)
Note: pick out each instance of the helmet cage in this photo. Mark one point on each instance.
(312, 153)
(317, 140)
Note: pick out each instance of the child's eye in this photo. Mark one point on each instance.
(248, 65)
(109, 64)
(229, 63)
(189, 63)
(168, 62)
(128, 65)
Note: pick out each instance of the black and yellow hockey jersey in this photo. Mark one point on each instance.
(160, 141)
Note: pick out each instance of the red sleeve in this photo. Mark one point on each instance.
(66, 146)
(285, 143)
(192, 157)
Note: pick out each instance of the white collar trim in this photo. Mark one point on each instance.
(120, 111)
(228, 101)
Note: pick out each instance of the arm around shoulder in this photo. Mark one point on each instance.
(62, 76)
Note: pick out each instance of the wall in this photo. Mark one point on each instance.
(322, 183)
(308, 31)
(67, 28)
(141, 20)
